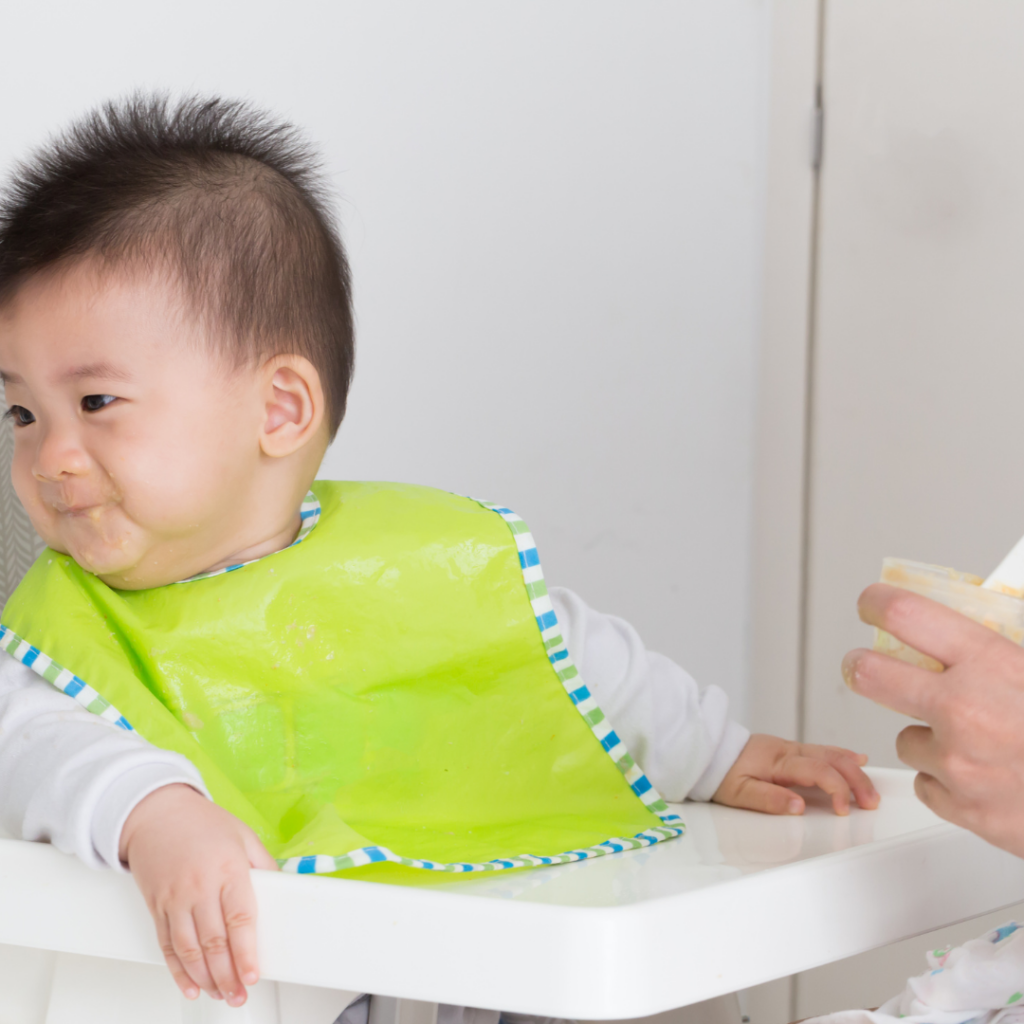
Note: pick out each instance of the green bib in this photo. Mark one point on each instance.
(390, 688)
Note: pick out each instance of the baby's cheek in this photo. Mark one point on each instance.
(159, 475)
(43, 518)
(25, 484)
(174, 490)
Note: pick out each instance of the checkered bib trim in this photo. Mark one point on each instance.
(561, 661)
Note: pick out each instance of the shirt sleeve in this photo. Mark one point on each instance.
(69, 777)
(681, 736)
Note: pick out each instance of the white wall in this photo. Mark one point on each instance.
(553, 216)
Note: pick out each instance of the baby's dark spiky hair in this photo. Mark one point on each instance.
(216, 192)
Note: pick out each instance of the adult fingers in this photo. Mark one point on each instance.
(238, 905)
(848, 764)
(934, 795)
(810, 771)
(189, 989)
(756, 795)
(924, 624)
(895, 684)
(213, 940)
(184, 943)
(916, 748)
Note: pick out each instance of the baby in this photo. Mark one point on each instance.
(214, 668)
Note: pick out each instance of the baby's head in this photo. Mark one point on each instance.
(175, 337)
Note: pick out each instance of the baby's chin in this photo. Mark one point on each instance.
(109, 556)
(125, 559)
(103, 562)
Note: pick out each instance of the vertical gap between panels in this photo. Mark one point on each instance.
(820, 128)
(812, 305)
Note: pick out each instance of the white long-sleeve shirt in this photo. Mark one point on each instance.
(72, 778)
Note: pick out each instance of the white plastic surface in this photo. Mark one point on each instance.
(741, 899)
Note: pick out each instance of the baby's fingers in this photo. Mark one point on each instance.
(184, 947)
(189, 988)
(755, 795)
(863, 788)
(213, 939)
(850, 765)
(257, 853)
(810, 771)
(238, 902)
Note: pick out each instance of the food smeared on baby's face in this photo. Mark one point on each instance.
(135, 436)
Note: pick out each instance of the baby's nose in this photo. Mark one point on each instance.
(58, 456)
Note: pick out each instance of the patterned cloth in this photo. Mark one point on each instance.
(980, 982)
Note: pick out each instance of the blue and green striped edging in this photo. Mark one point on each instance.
(64, 679)
(558, 654)
(568, 673)
(309, 513)
(319, 865)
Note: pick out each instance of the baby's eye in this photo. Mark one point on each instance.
(93, 403)
(21, 416)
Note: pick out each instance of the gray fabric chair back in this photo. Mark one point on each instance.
(19, 543)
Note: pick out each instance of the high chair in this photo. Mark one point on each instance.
(741, 899)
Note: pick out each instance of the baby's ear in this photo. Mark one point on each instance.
(294, 403)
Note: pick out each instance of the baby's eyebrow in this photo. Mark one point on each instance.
(7, 377)
(103, 371)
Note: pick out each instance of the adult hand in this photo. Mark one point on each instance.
(191, 860)
(970, 752)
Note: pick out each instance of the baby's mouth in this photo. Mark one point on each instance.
(92, 532)
(81, 511)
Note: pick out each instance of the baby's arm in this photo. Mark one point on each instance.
(683, 738)
(69, 777)
(191, 861)
(113, 799)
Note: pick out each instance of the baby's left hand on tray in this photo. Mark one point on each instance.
(191, 860)
(767, 765)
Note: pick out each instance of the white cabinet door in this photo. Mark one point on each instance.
(917, 395)
(917, 418)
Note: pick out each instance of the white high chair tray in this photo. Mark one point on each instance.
(742, 898)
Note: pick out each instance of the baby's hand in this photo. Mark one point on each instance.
(191, 860)
(768, 764)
